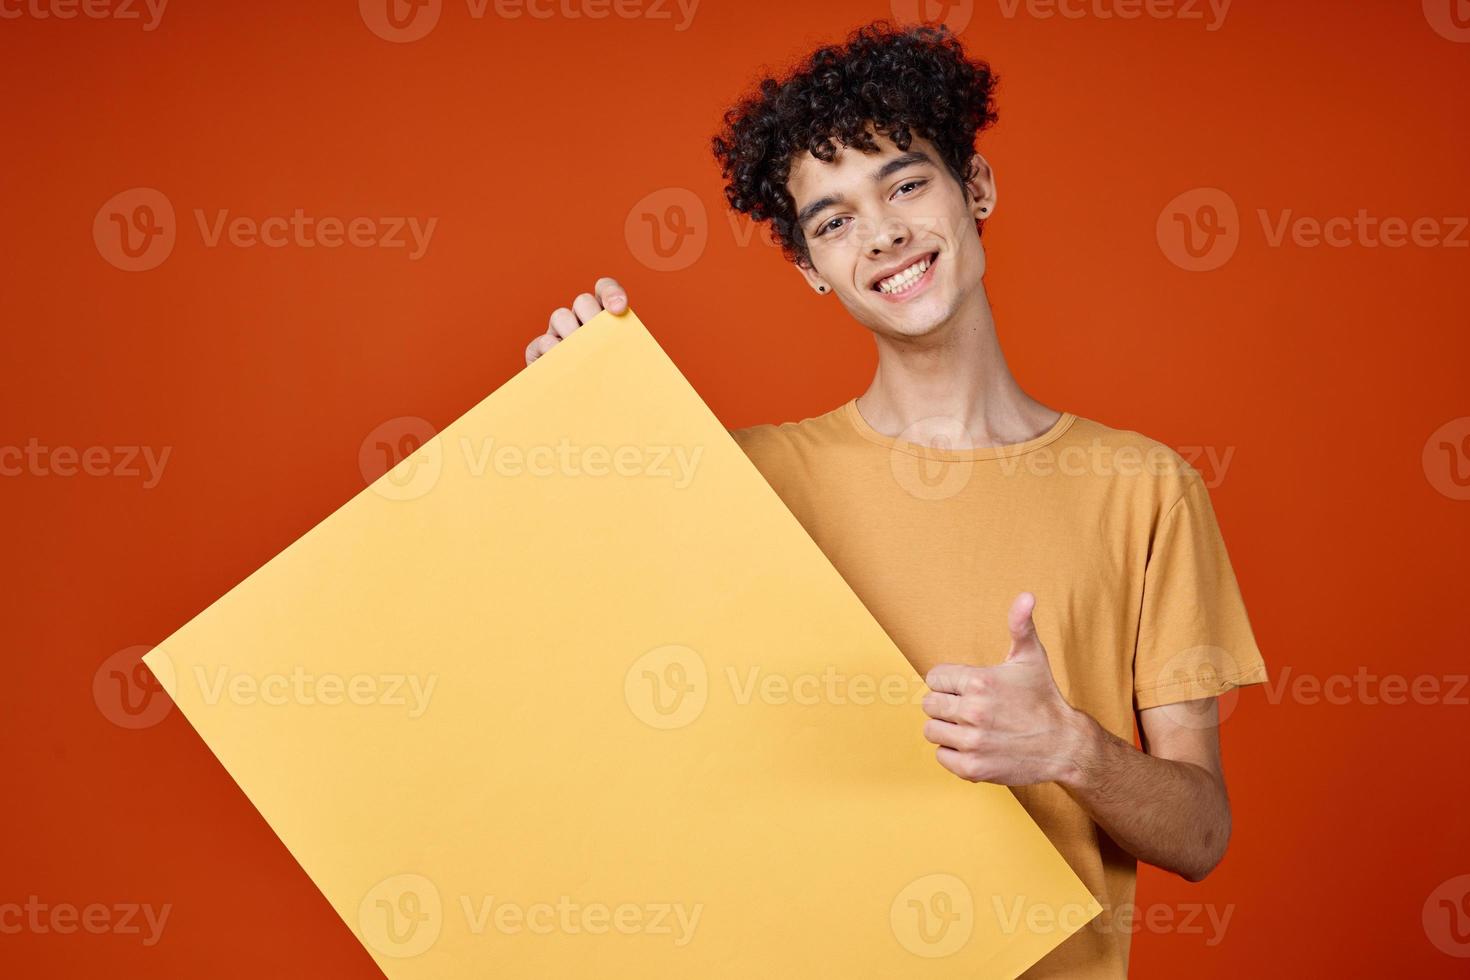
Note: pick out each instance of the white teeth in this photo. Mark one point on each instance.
(900, 281)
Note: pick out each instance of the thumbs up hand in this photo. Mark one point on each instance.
(1007, 723)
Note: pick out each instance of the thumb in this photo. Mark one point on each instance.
(1024, 641)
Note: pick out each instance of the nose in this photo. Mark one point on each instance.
(890, 234)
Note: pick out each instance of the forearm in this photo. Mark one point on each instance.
(1175, 815)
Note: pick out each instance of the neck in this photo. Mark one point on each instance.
(953, 385)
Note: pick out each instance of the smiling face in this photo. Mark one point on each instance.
(893, 234)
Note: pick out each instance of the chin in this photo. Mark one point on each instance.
(926, 318)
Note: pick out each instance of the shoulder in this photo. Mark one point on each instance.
(1131, 461)
(791, 455)
(774, 442)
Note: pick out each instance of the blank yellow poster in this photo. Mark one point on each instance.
(569, 693)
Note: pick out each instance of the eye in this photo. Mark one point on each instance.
(912, 183)
(826, 226)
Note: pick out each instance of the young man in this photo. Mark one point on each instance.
(958, 507)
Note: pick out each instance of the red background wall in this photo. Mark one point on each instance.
(1326, 370)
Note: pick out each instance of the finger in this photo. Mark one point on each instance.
(563, 322)
(540, 346)
(586, 306)
(950, 735)
(1022, 626)
(954, 679)
(961, 764)
(945, 707)
(611, 294)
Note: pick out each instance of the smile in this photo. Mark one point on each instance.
(909, 280)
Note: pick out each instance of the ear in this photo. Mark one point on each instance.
(981, 186)
(814, 279)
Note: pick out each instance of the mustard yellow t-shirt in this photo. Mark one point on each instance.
(1137, 604)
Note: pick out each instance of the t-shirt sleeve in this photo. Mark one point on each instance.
(1194, 638)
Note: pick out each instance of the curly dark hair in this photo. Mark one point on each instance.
(905, 81)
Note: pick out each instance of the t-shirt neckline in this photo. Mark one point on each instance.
(861, 426)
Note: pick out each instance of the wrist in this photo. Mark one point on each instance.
(1087, 743)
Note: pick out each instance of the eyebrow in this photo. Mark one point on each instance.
(900, 162)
